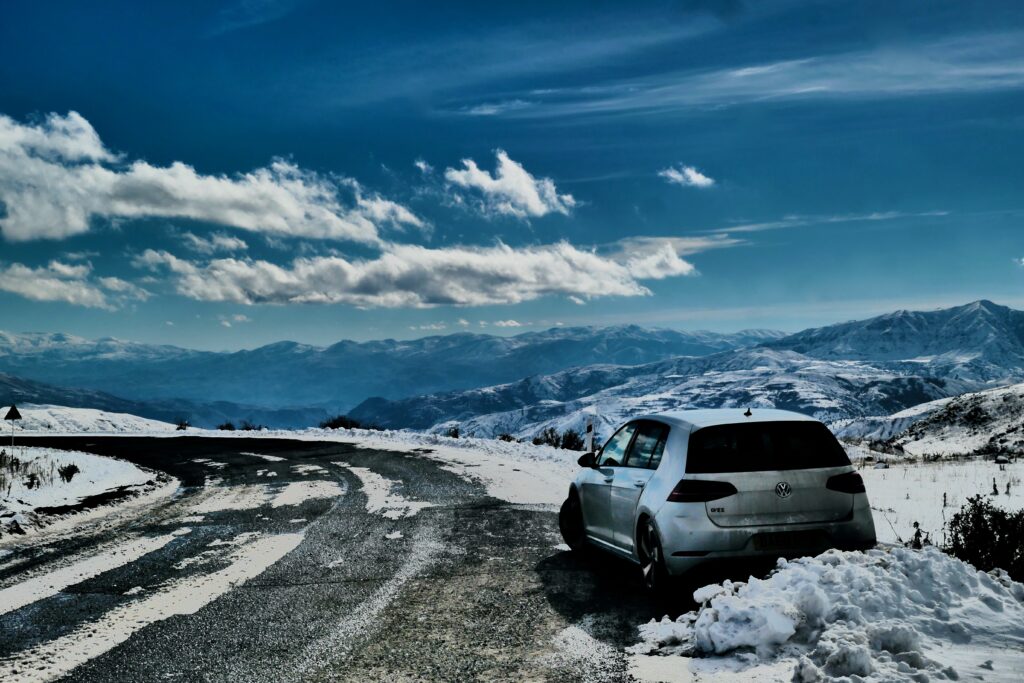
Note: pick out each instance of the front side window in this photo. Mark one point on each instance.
(648, 445)
(614, 452)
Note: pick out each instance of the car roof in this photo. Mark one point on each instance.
(709, 417)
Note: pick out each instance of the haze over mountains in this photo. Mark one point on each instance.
(519, 384)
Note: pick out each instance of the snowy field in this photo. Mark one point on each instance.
(31, 478)
(61, 420)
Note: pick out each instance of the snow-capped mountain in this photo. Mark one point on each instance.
(758, 377)
(870, 367)
(983, 422)
(978, 341)
(340, 376)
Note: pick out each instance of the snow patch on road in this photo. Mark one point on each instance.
(880, 615)
(268, 458)
(246, 497)
(56, 658)
(381, 496)
(298, 492)
(109, 557)
(308, 468)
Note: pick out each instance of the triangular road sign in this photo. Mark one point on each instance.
(13, 413)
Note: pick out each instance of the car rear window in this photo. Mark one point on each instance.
(763, 446)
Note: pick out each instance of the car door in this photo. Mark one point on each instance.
(595, 488)
(628, 482)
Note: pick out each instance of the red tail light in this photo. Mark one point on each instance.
(846, 483)
(698, 491)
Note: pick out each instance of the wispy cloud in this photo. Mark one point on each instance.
(511, 190)
(687, 176)
(214, 243)
(243, 14)
(798, 220)
(964, 64)
(57, 176)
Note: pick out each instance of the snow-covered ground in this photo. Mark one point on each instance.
(884, 615)
(62, 420)
(36, 482)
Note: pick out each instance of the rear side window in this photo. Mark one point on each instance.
(763, 446)
(648, 445)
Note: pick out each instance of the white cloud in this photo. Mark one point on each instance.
(424, 167)
(507, 323)
(214, 243)
(576, 300)
(496, 108)
(688, 176)
(56, 178)
(512, 190)
(429, 327)
(415, 276)
(463, 322)
(72, 284)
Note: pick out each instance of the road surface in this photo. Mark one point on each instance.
(277, 561)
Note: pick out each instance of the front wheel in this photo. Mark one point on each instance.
(570, 523)
(652, 559)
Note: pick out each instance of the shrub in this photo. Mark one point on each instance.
(68, 472)
(505, 436)
(182, 424)
(988, 537)
(572, 440)
(453, 432)
(226, 427)
(340, 422)
(548, 437)
(248, 426)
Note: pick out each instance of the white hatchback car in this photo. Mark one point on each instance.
(674, 491)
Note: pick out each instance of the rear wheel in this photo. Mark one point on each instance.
(652, 559)
(570, 523)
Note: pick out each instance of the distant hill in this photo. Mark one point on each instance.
(338, 377)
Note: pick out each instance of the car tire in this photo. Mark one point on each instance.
(570, 523)
(652, 560)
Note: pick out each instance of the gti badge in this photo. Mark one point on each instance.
(783, 489)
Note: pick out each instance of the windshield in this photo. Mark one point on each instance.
(763, 446)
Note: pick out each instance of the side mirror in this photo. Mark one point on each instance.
(587, 460)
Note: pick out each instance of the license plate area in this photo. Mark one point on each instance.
(790, 540)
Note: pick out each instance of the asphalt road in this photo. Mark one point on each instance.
(473, 589)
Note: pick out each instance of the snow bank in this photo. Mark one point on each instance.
(893, 614)
(47, 419)
(36, 483)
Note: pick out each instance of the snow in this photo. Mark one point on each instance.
(382, 497)
(97, 474)
(59, 419)
(890, 614)
(298, 492)
(56, 658)
(905, 493)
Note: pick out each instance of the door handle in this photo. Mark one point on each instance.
(639, 482)
(609, 480)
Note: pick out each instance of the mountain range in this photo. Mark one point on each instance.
(869, 367)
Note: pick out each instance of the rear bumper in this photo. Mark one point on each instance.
(690, 540)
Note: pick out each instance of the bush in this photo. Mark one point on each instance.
(68, 472)
(248, 426)
(182, 424)
(340, 422)
(549, 437)
(453, 432)
(505, 436)
(226, 427)
(572, 440)
(988, 537)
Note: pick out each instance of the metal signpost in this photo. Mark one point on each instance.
(12, 415)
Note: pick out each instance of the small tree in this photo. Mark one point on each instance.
(572, 440)
(548, 437)
(248, 426)
(453, 432)
(988, 537)
(67, 472)
(340, 422)
(226, 426)
(182, 424)
(505, 436)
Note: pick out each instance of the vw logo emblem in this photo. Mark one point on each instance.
(783, 489)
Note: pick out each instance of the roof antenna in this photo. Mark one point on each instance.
(748, 413)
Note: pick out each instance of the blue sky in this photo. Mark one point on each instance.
(223, 176)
